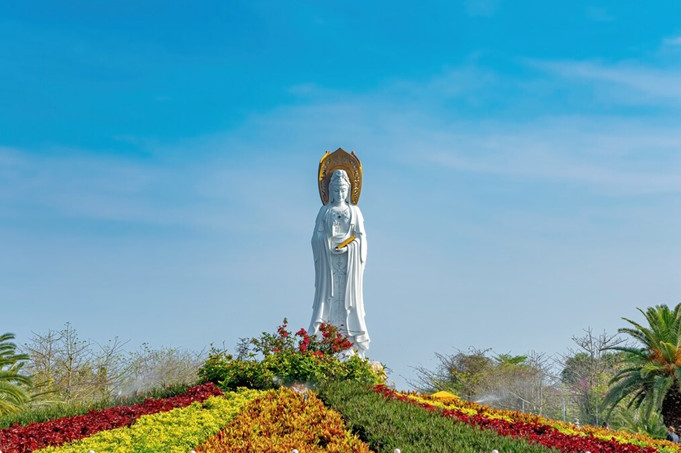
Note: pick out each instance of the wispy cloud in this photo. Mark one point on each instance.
(402, 121)
(79, 184)
(561, 151)
(673, 41)
(598, 14)
(209, 193)
(608, 153)
(485, 8)
(623, 82)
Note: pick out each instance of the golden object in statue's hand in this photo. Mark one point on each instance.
(345, 242)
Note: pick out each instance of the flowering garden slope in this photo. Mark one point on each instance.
(274, 421)
(387, 424)
(175, 431)
(379, 419)
(535, 429)
(24, 439)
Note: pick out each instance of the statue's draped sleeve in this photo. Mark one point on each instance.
(354, 300)
(360, 233)
(321, 264)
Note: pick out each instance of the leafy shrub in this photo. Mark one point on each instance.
(284, 358)
(229, 373)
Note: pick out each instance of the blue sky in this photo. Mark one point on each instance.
(158, 159)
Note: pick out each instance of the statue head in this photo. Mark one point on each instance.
(339, 187)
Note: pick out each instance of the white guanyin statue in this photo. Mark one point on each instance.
(339, 246)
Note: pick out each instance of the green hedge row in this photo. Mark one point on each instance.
(388, 424)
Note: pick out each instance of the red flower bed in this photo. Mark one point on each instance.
(24, 439)
(533, 432)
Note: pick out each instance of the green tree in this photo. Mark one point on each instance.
(14, 386)
(653, 366)
(644, 420)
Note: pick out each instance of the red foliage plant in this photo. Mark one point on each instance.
(24, 439)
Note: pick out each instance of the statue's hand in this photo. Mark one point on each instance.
(336, 251)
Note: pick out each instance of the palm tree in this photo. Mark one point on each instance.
(14, 386)
(652, 373)
(640, 421)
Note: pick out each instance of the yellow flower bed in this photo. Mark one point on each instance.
(175, 431)
(471, 408)
(283, 420)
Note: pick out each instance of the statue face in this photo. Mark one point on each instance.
(341, 191)
(339, 186)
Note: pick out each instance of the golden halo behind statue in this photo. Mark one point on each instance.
(340, 160)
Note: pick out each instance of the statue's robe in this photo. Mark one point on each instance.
(353, 323)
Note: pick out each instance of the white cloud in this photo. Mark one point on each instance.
(606, 153)
(555, 162)
(622, 82)
(598, 14)
(402, 122)
(198, 191)
(618, 159)
(484, 8)
(673, 41)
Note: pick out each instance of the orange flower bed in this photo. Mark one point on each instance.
(284, 420)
